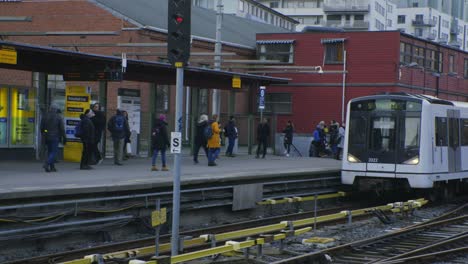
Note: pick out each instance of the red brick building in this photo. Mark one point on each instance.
(111, 28)
(356, 64)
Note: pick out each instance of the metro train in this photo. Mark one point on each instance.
(411, 141)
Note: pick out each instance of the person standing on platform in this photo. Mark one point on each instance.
(341, 139)
(230, 131)
(263, 133)
(52, 131)
(118, 127)
(159, 142)
(288, 137)
(99, 122)
(200, 139)
(127, 140)
(87, 136)
(214, 141)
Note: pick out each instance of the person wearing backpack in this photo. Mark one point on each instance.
(200, 140)
(87, 136)
(214, 141)
(118, 127)
(52, 131)
(159, 142)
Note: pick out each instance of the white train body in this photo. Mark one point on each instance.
(402, 137)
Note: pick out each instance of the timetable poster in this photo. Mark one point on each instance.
(77, 100)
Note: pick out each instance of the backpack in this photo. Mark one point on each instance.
(119, 123)
(208, 132)
(79, 129)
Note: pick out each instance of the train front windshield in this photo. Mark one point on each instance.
(384, 131)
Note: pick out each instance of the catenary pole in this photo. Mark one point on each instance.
(177, 165)
(216, 101)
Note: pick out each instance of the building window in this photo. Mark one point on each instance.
(280, 103)
(334, 53)
(466, 69)
(419, 18)
(418, 32)
(445, 23)
(433, 60)
(401, 19)
(203, 101)
(274, 4)
(379, 25)
(452, 68)
(418, 55)
(358, 17)
(162, 98)
(241, 6)
(380, 9)
(389, 22)
(284, 53)
(389, 9)
(415, 4)
(406, 53)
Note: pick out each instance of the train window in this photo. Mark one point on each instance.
(465, 132)
(410, 132)
(382, 134)
(441, 131)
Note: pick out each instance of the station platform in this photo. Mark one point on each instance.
(20, 179)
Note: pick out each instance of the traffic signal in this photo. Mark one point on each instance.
(178, 31)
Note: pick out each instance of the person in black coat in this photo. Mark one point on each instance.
(159, 142)
(99, 122)
(52, 131)
(87, 138)
(230, 132)
(288, 137)
(263, 133)
(127, 137)
(200, 139)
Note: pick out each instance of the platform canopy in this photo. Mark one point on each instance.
(78, 66)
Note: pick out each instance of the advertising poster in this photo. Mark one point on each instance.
(77, 100)
(3, 115)
(22, 117)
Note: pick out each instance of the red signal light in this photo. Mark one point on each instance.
(179, 19)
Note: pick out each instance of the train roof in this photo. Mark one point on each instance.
(425, 97)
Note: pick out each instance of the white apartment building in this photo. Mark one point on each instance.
(252, 10)
(443, 21)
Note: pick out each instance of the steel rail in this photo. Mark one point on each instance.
(402, 243)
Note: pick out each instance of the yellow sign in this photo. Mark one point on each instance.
(23, 113)
(77, 100)
(158, 217)
(236, 82)
(8, 56)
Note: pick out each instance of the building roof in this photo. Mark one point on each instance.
(79, 66)
(153, 13)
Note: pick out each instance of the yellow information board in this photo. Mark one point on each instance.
(77, 100)
(236, 82)
(3, 115)
(23, 111)
(158, 217)
(8, 56)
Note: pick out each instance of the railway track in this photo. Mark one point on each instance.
(444, 235)
(76, 254)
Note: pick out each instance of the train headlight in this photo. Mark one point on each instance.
(352, 158)
(413, 161)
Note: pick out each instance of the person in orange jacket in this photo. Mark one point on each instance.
(214, 141)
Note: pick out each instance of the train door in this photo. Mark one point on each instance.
(382, 142)
(439, 158)
(454, 150)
